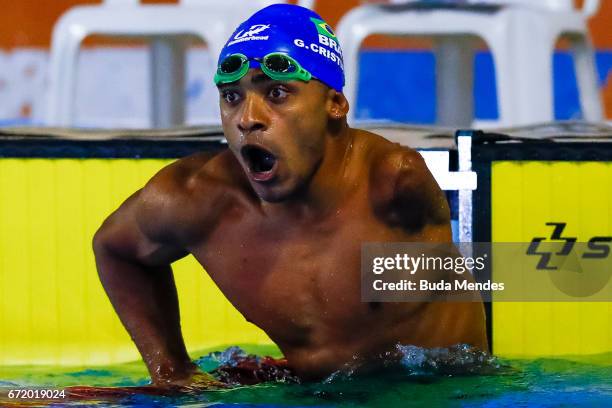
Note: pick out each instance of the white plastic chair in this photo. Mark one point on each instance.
(521, 35)
(166, 25)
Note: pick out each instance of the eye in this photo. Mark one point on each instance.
(230, 96)
(278, 92)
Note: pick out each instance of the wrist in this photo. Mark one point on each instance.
(167, 371)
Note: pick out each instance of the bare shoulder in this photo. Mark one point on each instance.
(389, 161)
(403, 190)
(183, 198)
(392, 159)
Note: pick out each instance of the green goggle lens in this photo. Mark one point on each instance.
(232, 64)
(278, 66)
(278, 63)
(232, 69)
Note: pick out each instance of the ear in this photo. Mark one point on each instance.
(337, 104)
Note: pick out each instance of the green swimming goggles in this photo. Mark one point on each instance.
(276, 65)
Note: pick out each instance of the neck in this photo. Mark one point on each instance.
(325, 188)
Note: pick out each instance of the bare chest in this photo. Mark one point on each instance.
(293, 274)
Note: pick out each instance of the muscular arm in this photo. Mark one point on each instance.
(134, 249)
(409, 197)
(418, 204)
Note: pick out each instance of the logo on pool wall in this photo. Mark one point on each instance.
(599, 247)
(569, 262)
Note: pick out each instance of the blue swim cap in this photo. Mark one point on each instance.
(295, 30)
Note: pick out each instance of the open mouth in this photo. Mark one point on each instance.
(261, 162)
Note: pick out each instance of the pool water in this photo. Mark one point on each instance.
(457, 377)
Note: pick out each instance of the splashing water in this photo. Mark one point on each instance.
(461, 359)
(214, 359)
(413, 361)
(235, 367)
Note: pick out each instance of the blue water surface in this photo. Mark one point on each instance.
(458, 377)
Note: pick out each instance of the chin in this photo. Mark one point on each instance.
(271, 195)
(275, 193)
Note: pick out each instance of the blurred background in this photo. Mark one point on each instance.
(113, 75)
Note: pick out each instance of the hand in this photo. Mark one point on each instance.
(196, 381)
(185, 377)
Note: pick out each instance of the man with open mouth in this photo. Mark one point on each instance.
(279, 218)
(261, 163)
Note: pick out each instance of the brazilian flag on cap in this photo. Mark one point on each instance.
(323, 28)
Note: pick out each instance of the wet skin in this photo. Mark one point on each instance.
(278, 221)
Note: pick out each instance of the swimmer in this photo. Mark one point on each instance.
(278, 219)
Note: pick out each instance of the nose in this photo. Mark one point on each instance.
(254, 114)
